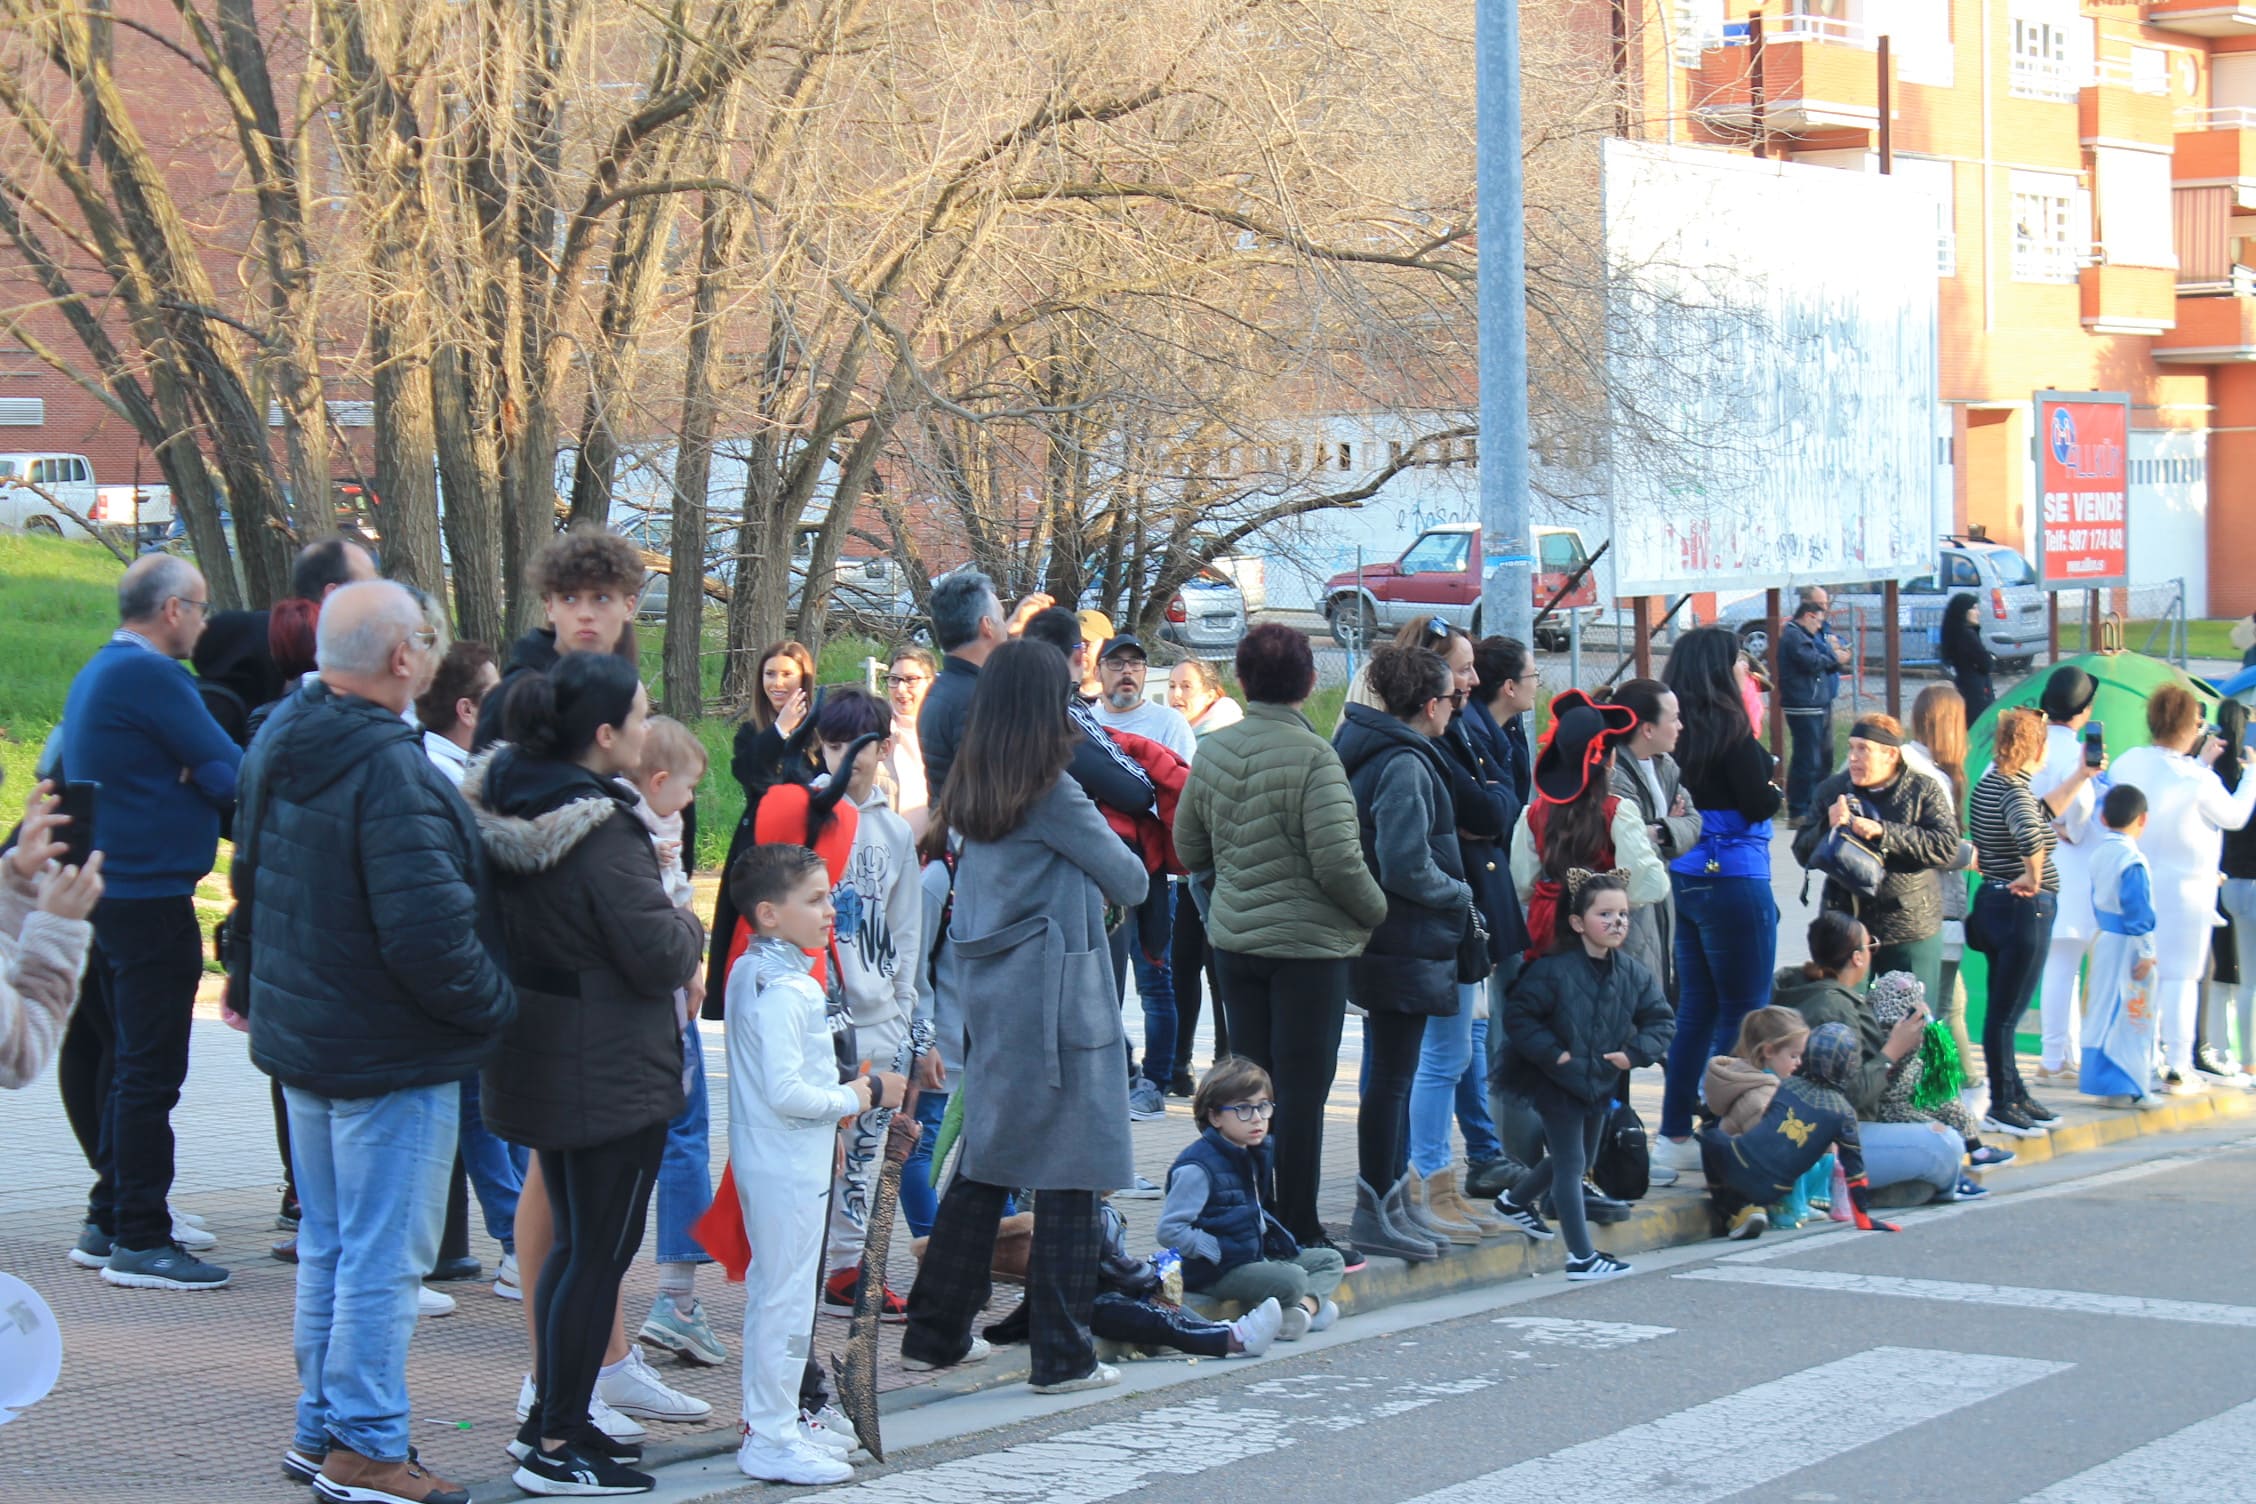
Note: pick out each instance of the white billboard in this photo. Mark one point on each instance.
(1771, 358)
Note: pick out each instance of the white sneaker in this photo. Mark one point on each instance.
(1257, 1328)
(430, 1304)
(1683, 1158)
(634, 1388)
(980, 1350)
(1296, 1321)
(800, 1463)
(607, 1420)
(505, 1279)
(1657, 1173)
(822, 1440)
(1103, 1376)
(189, 1232)
(1327, 1312)
(191, 1218)
(833, 1420)
(2150, 1102)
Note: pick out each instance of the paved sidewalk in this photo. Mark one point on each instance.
(189, 1396)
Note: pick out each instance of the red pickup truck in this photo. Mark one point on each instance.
(1440, 574)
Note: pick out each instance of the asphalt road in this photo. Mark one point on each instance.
(2084, 1338)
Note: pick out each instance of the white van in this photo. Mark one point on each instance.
(66, 477)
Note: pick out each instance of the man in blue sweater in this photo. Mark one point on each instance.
(135, 725)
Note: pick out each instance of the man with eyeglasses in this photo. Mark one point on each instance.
(135, 725)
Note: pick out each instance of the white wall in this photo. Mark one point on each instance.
(2170, 511)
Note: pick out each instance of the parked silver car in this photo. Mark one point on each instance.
(1207, 616)
(2012, 604)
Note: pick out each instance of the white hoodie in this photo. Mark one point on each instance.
(784, 1096)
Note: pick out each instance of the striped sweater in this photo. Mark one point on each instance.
(2008, 826)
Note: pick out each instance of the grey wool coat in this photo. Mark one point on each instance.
(1652, 926)
(1045, 1083)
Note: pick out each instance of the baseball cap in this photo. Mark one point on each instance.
(1121, 644)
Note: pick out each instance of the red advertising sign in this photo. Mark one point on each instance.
(2084, 486)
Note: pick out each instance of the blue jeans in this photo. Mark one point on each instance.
(920, 1203)
(496, 1169)
(685, 1174)
(1447, 1060)
(372, 1182)
(1812, 756)
(2024, 930)
(1726, 948)
(1473, 1117)
(1899, 1152)
(1155, 988)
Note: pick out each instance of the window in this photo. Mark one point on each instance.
(1559, 553)
(2133, 193)
(2049, 232)
(1938, 180)
(2011, 568)
(1438, 553)
(1922, 42)
(1959, 572)
(1696, 26)
(2044, 50)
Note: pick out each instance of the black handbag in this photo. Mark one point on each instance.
(1624, 1167)
(1847, 861)
(1473, 960)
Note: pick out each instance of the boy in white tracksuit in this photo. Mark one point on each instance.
(878, 955)
(785, 1102)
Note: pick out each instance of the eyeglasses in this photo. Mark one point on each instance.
(906, 681)
(191, 602)
(424, 637)
(1249, 1112)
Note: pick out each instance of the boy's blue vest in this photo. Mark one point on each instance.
(1239, 1185)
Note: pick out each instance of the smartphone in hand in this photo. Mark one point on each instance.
(76, 804)
(2095, 744)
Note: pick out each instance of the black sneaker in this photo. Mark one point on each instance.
(1487, 1179)
(1341, 1246)
(449, 1270)
(1526, 1218)
(593, 1441)
(286, 1220)
(92, 1250)
(2036, 1112)
(572, 1471)
(1597, 1266)
(164, 1267)
(2008, 1119)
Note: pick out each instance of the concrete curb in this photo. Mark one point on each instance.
(1673, 1219)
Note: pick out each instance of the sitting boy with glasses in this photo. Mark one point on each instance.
(1217, 1216)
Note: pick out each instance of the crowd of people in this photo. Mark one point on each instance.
(464, 946)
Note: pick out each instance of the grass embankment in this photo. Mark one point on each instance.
(60, 599)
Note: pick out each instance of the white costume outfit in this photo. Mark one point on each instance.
(2187, 813)
(2080, 831)
(877, 967)
(2119, 1059)
(784, 1107)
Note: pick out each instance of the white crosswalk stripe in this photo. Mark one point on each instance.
(2208, 1460)
(1703, 1453)
(2021, 1297)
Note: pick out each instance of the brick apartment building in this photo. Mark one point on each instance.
(2093, 167)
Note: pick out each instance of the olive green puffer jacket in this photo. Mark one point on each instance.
(1269, 813)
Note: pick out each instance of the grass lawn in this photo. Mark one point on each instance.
(2204, 639)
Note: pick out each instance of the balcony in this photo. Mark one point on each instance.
(1820, 76)
(2134, 300)
(2212, 330)
(2121, 108)
(2217, 147)
(2203, 18)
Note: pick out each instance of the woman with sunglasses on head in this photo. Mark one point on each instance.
(1408, 971)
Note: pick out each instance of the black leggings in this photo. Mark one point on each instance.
(1570, 1134)
(1192, 962)
(1391, 1043)
(599, 1197)
(1285, 1017)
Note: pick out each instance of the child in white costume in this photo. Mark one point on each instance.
(785, 1102)
(2119, 1054)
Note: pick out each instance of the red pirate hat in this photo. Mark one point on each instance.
(1582, 732)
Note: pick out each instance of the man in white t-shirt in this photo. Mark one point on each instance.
(1121, 666)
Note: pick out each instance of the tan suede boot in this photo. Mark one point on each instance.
(1450, 1202)
(1431, 1218)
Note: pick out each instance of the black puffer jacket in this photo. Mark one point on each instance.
(1918, 838)
(596, 949)
(1409, 828)
(1588, 1009)
(364, 945)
